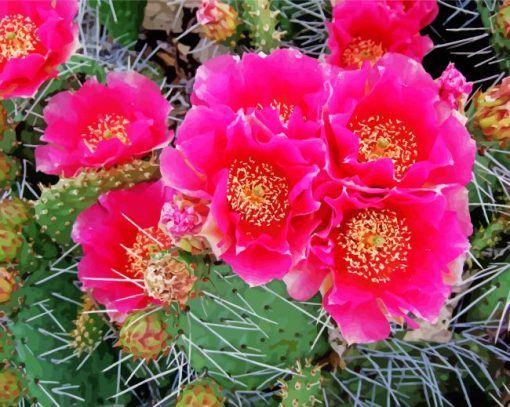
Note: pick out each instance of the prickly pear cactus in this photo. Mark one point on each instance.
(495, 16)
(228, 322)
(304, 388)
(262, 20)
(9, 169)
(143, 334)
(12, 387)
(202, 392)
(60, 204)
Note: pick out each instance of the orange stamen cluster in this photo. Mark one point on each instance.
(374, 244)
(147, 243)
(18, 37)
(107, 127)
(383, 137)
(257, 192)
(360, 50)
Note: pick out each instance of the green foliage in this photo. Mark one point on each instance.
(61, 203)
(122, 18)
(246, 337)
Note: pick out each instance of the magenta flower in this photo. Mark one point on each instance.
(384, 256)
(366, 30)
(388, 126)
(421, 12)
(119, 235)
(257, 183)
(285, 89)
(35, 37)
(453, 88)
(101, 125)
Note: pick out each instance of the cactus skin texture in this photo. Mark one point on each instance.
(489, 236)
(7, 346)
(7, 284)
(245, 336)
(262, 21)
(494, 21)
(60, 204)
(144, 335)
(202, 392)
(304, 389)
(9, 170)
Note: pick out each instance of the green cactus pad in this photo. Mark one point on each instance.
(10, 243)
(244, 337)
(304, 389)
(60, 204)
(261, 21)
(89, 328)
(7, 345)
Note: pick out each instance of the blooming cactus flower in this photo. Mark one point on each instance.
(101, 125)
(258, 188)
(218, 19)
(366, 30)
(384, 257)
(492, 112)
(119, 235)
(35, 37)
(285, 89)
(387, 126)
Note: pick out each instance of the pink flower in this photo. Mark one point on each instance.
(384, 255)
(257, 183)
(286, 89)
(101, 125)
(453, 87)
(35, 37)
(423, 12)
(183, 218)
(366, 30)
(387, 126)
(119, 235)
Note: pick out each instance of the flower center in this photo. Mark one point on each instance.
(374, 244)
(382, 137)
(148, 242)
(18, 37)
(360, 50)
(257, 192)
(107, 127)
(168, 279)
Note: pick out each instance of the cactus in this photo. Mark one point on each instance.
(202, 392)
(144, 335)
(243, 336)
(304, 388)
(7, 346)
(262, 21)
(14, 212)
(60, 204)
(122, 18)
(10, 243)
(89, 328)
(494, 15)
(9, 170)
(11, 385)
(7, 284)
(491, 235)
